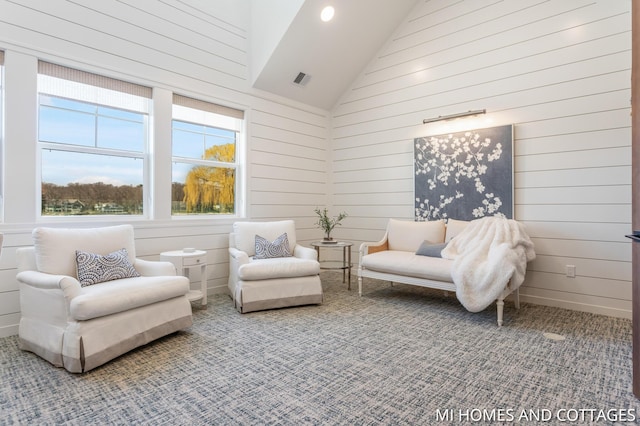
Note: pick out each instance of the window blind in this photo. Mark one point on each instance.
(84, 77)
(207, 106)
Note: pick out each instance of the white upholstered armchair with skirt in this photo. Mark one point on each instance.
(268, 269)
(85, 298)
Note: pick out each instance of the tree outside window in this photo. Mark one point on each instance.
(205, 162)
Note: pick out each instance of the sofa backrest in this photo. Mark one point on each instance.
(407, 235)
(245, 234)
(55, 248)
(454, 227)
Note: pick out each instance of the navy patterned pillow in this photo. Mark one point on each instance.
(266, 249)
(95, 268)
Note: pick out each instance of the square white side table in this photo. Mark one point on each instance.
(184, 261)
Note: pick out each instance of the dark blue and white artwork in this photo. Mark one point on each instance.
(465, 175)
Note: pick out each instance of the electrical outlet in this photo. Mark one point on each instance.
(571, 271)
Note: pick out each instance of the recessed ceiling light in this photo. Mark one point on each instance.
(327, 13)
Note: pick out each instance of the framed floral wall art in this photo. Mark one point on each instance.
(465, 175)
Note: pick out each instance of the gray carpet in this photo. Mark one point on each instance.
(399, 355)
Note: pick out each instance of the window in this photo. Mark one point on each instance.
(206, 140)
(92, 142)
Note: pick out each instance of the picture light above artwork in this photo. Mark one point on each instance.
(452, 116)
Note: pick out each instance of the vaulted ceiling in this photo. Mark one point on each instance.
(290, 38)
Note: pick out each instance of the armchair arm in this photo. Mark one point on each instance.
(238, 256)
(154, 268)
(303, 252)
(372, 247)
(68, 285)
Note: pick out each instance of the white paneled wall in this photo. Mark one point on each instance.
(196, 48)
(559, 71)
(288, 165)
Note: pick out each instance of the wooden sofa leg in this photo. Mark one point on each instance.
(500, 306)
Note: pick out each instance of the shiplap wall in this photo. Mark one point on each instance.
(558, 70)
(196, 48)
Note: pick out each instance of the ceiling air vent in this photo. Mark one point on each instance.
(301, 79)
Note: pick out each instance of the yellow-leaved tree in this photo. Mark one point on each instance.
(210, 189)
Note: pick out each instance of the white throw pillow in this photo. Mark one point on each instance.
(454, 227)
(407, 235)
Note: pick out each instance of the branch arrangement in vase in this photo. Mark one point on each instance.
(327, 223)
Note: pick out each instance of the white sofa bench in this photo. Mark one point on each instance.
(394, 257)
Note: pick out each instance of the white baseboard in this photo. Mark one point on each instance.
(10, 330)
(574, 306)
(220, 289)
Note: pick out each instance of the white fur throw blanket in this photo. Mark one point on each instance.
(486, 255)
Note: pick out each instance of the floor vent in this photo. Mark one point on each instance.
(553, 336)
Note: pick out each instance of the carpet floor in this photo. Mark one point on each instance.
(399, 355)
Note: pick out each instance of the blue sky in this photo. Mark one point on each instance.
(74, 123)
(69, 122)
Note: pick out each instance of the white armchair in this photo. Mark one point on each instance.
(82, 326)
(276, 280)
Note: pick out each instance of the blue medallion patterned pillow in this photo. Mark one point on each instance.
(95, 268)
(266, 249)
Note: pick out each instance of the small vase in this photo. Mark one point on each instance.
(328, 240)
